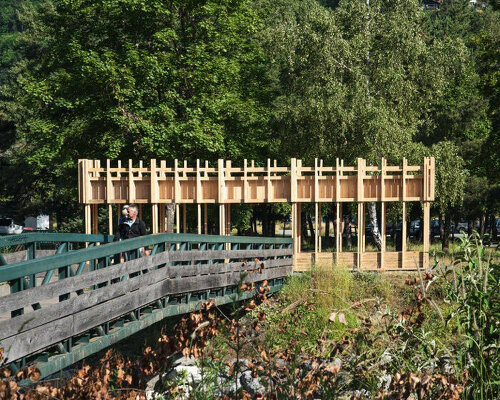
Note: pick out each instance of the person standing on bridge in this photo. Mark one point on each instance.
(131, 227)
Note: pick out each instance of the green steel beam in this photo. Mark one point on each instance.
(26, 238)
(83, 350)
(30, 267)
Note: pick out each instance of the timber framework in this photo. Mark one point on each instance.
(225, 184)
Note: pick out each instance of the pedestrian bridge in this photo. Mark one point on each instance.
(64, 297)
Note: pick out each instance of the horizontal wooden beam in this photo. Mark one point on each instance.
(249, 184)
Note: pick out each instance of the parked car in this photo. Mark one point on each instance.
(8, 227)
(462, 226)
(415, 227)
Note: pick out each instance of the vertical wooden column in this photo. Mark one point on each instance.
(268, 181)
(341, 228)
(131, 184)
(293, 200)
(110, 219)
(315, 229)
(299, 227)
(222, 223)
(361, 222)
(88, 219)
(109, 196)
(177, 218)
(338, 234)
(403, 237)
(199, 219)
(426, 232)
(140, 211)
(154, 218)
(426, 210)
(382, 234)
(361, 208)
(205, 218)
(403, 224)
(294, 227)
(154, 196)
(227, 230)
(320, 222)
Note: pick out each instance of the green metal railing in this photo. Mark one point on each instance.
(64, 307)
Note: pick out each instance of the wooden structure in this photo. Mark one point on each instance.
(64, 307)
(225, 184)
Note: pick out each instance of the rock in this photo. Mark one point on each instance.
(250, 384)
(188, 373)
(185, 361)
(384, 382)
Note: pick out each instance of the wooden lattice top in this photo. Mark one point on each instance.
(158, 183)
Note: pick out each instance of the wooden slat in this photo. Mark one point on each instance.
(31, 296)
(46, 335)
(55, 311)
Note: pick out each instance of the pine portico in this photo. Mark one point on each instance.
(225, 184)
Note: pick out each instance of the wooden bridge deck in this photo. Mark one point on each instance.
(64, 307)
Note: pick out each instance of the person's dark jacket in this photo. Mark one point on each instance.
(137, 229)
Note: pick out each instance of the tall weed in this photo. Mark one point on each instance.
(474, 293)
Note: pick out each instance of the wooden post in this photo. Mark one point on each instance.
(177, 218)
(315, 229)
(338, 233)
(131, 185)
(199, 219)
(341, 228)
(154, 218)
(268, 181)
(382, 233)
(110, 219)
(361, 208)
(222, 223)
(205, 218)
(320, 222)
(360, 233)
(426, 233)
(227, 230)
(403, 236)
(299, 227)
(88, 219)
(294, 227)
(140, 211)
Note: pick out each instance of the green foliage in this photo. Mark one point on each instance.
(450, 175)
(475, 295)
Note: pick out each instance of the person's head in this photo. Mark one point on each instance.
(125, 210)
(132, 211)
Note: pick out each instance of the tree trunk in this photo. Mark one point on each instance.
(303, 226)
(482, 226)
(327, 228)
(372, 215)
(347, 231)
(170, 217)
(441, 228)
(445, 241)
(470, 226)
(310, 224)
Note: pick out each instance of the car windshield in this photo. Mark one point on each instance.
(5, 221)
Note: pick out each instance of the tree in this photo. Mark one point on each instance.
(135, 79)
